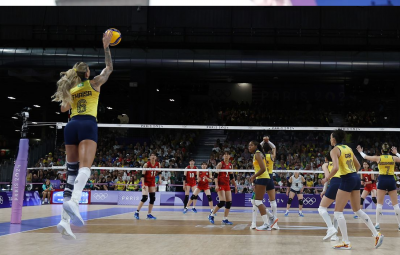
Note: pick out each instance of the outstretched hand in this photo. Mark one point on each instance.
(394, 150)
(107, 38)
(359, 148)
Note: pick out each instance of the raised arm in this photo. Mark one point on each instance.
(103, 77)
(370, 158)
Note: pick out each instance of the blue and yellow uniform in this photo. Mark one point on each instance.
(264, 177)
(83, 125)
(334, 183)
(386, 180)
(350, 180)
(269, 163)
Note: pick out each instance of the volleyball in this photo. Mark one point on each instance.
(116, 37)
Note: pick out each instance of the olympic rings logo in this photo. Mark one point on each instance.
(309, 200)
(100, 196)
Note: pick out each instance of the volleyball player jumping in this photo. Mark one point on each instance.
(80, 95)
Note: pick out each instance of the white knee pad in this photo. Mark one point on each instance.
(273, 203)
(253, 202)
(85, 170)
(396, 208)
(258, 202)
(379, 207)
(338, 215)
(322, 210)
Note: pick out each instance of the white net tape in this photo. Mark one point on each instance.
(194, 170)
(255, 128)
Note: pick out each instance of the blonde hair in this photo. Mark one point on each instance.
(68, 80)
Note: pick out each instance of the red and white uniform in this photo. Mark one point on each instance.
(203, 183)
(191, 177)
(150, 176)
(223, 177)
(368, 178)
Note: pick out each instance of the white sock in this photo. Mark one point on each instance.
(265, 219)
(64, 216)
(225, 218)
(367, 221)
(300, 211)
(342, 226)
(80, 183)
(287, 211)
(378, 213)
(323, 211)
(335, 223)
(45, 199)
(269, 213)
(397, 212)
(254, 214)
(274, 208)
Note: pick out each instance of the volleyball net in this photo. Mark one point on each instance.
(298, 149)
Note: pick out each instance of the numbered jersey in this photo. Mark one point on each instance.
(367, 177)
(84, 99)
(346, 164)
(191, 177)
(203, 183)
(297, 183)
(150, 176)
(223, 177)
(386, 165)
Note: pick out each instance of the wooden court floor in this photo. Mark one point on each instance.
(176, 233)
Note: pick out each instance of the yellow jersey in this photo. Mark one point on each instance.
(84, 99)
(269, 163)
(346, 164)
(386, 165)
(120, 185)
(258, 168)
(330, 166)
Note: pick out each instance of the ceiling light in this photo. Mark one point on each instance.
(14, 118)
(17, 130)
(123, 114)
(243, 84)
(34, 122)
(57, 113)
(11, 97)
(158, 90)
(172, 100)
(37, 106)
(109, 108)
(51, 127)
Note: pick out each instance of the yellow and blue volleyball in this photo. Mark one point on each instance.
(116, 37)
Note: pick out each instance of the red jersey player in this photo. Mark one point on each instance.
(224, 191)
(204, 177)
(368, 180)
(149, 185)
(189, 182)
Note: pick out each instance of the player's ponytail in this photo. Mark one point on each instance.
(68, 80)
(385, 148)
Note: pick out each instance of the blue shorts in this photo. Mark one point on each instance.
(271, 184)
(261, 181)
(386, 182)
(81, 127)
(333, 188)
(350, 182)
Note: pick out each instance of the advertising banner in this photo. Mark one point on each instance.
(31, 198)
(58, 197)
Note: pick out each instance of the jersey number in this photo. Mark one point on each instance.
(366, 179)
(81, 106)
(153, 173)
(204, 179)
(350, 165)
(387, 169)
